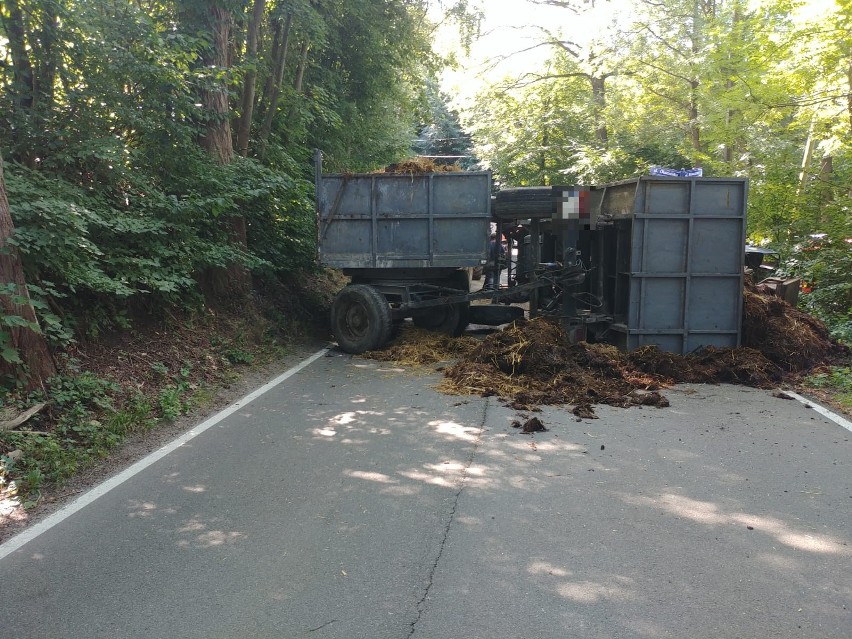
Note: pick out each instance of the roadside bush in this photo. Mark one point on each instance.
(824, 262)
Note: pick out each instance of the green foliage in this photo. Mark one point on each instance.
(837, 379)
(441, 132)
(117, 208)
(170, 401)
(84, 389)
(87, 254)
(824, 262)
(237, 355)
(370, 70)
(78, 436)
(88, 416)
(48, 323)
(279, 214)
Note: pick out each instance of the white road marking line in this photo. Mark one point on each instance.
(102, 489)
(837, 419)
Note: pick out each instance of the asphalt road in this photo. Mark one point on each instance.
(353, 501)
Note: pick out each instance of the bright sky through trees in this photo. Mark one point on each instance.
(512, 28)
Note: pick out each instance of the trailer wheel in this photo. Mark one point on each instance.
(360, 319)
(451, 319)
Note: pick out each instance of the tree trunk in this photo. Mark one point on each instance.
(233, 282)
(21, 90)
(733, 144)
(701, 10)
(303, 61)
(826, 173)
(30, 344)
(849, 94)
(275, 87)
(807, 156)
(542, 158)
(849, 106)
(297, 88)
(274, 49)
(45, 80)
(599, 99)
(249, 88)
(694, 129)
(216, 139)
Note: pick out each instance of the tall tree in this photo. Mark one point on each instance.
(32, 29)
(25, 343)
(248, 92)
(216, 136)
(213, 20)
(283, 27)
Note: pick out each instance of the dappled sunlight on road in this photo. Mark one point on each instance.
(197, 488)
(351, 422)
(591, 592)
(709, 513)
(525, 443)
(194, 532)
(585, 591)
(546, 568)
(452, 430)
(427, 478)
(399, 490)
(199, 535)
(370, 476)
(344, 418)
(447, 474)
(146, 509)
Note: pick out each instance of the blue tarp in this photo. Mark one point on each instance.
(666, 172)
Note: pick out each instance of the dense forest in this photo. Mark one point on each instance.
(158, 154)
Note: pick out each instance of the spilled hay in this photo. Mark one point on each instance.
(531, 363)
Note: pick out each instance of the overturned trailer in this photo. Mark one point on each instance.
(645, 261)
(668, 257)
(664, 257)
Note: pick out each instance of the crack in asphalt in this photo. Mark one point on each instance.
(421, 604)
(327, 623)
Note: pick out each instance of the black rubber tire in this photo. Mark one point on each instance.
(451, 319)
(360, 319)
(444, 319)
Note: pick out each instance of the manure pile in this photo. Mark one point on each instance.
(531, 363)
(420, 165)
(793, 340)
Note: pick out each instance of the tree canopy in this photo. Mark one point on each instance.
(151, 143)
